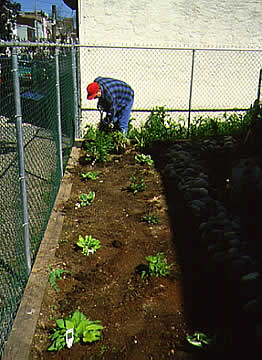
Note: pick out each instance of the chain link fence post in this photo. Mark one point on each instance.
(259, 87)
(21, 157)
(76, 120)
(79, 105)
(59, 122)
(190, 93)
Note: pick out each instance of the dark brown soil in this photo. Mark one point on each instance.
(145, 318)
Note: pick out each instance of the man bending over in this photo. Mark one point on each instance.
(116, 98)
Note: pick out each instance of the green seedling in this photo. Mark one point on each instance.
(87, 199)
(56, 275)
(52, 309)
(92, 175)
(150, 219)
(136, 185)
(88, 244)
(144, 159)
(157, 266)
(80, 328)
(200, 339)
(103, 349)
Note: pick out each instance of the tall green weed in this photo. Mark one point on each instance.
(160, 126)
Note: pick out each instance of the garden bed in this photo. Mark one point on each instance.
(149, 317)
(143, 318)
(189, 209)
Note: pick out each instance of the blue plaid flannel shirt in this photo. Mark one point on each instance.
(116, 95)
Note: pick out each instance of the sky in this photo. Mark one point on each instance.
(46, 5)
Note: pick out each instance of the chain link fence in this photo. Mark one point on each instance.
(187, 82)
(38, 123)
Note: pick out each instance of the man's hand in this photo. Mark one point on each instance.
(105, 126)
(107, 120)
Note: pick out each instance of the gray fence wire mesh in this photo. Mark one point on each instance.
(220, 79)
(42, 161)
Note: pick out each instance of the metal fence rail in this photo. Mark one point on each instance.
(187, 82)
(38, 118)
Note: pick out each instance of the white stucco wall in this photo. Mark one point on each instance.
(236, 23)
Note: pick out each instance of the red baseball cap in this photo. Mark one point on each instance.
(92, 90)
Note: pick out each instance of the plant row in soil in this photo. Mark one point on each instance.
(143, 316)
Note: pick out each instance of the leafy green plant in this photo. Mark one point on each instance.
(119, 141)
(56, 275)
(206, 126)
(88, 244)
(83, 329)
(98, 145)
(200, 339)
(160, 126)
(136, 135)
(144, 159)
(92, 175)
(157, 266)
(87, 199)
(90, 133)
(136, 184)
(150, 219)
